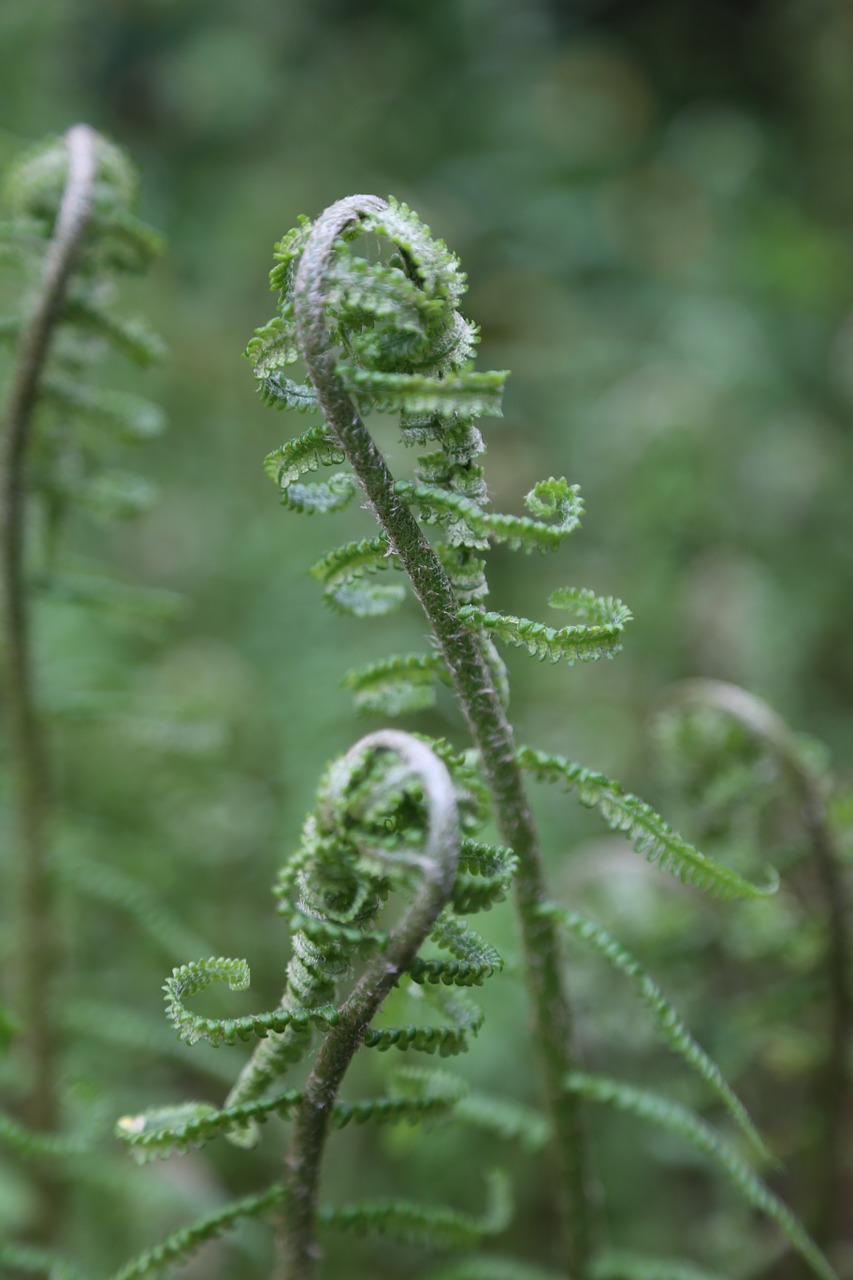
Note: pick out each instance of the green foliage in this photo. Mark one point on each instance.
(374, 830)
(669, 1022)
(671, 1116)
(405, 345)
(648, 832)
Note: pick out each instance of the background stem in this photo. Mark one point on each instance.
(483, 712)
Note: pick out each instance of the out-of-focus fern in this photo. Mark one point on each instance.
(666, 1114)
(747, 774)
(391, 817)
(379, 329)
(72, 232)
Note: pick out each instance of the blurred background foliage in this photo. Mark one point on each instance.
(653, 201)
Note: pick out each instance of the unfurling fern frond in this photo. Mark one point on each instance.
(551, 499)
(389, 817)
(686, 1124)
(668, 1021)
(646, 830)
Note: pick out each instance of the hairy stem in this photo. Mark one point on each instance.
(833, 1093)
(481, 706)
(38, 959)
(297, 1246)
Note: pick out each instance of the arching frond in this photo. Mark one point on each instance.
(668, 1021)
(634, 1266)
(24, 1142)
(646, 830)
(434, 1227)
(490, 1267)
(686, 1124)
(157, 1133)
(182, 1244)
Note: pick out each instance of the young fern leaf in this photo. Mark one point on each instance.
(485, 876)
(446, 1040)
(471, 395)
(346, 576)
(494, 1268)
(33, 1146)
(162, 1131)
(646, 830)
(668, 1021)
(507, 1120)
(435, 1227)
(686, 1124)
(182, 1244)
(550, 499)
(573, 644)
(633, 1266)
(404, 683)
(25, 1260)
(190, 979)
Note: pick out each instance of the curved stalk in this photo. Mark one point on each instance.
(297, 1247)
(38, 958)
(483, 711)
(761, 721)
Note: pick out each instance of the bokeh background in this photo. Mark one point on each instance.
(653, 200)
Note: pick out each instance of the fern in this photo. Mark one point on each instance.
(415, 1224)
(632, 1266)
(73, 232)
(181, 1244)
(687, 1125)
(389, 817)
(648, 832)
(669, 1022)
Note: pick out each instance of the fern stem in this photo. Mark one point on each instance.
(833, 1090)
(481, 706)
(39, 960)
(297, 1247)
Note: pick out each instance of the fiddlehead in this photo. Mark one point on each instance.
(393, 814)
